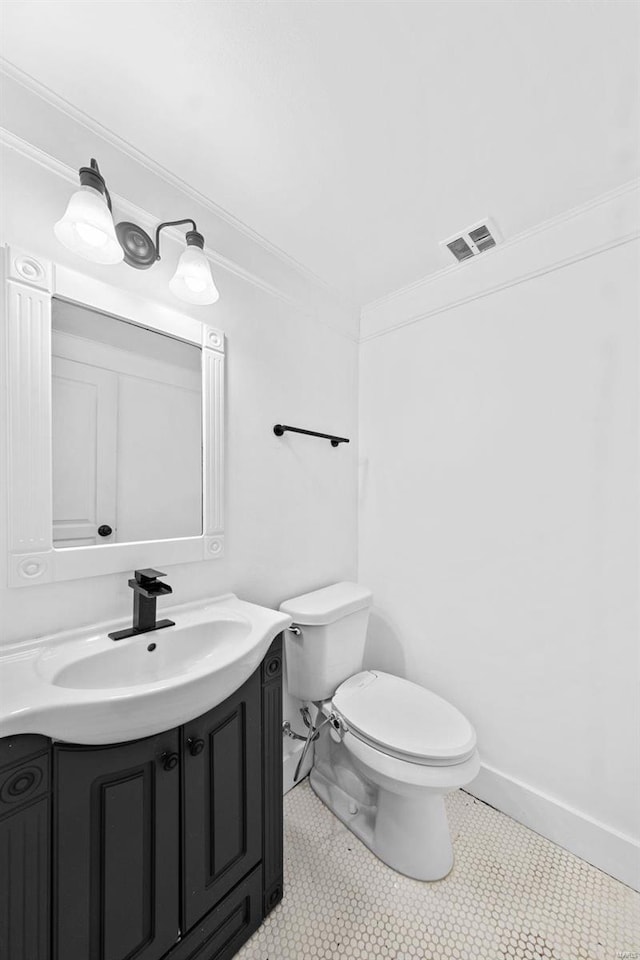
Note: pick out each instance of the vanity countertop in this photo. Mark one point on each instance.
(83, 687)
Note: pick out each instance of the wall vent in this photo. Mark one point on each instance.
(473, 240)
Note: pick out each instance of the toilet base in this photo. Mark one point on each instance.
(358, 817)
(414, 834)
(409, 834)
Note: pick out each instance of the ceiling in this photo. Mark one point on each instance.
(356, 135)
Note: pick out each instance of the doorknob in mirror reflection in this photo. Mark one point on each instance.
(87, 228)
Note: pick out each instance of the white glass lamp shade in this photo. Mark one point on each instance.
(87, 228)
(192, 281)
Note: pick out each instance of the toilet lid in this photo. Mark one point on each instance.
(403, 718)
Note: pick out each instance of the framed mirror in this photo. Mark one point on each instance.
(115, 428)
(126, 430)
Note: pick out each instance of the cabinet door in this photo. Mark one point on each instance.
(116, 848)
(222, 802)
(25, 816)
(221, 933)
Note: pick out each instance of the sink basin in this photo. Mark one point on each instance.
(83, 687)
(150, 658)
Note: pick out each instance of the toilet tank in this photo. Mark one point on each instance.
(330, 646)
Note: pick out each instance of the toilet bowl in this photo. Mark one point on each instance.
(388, 750)
(412, 748)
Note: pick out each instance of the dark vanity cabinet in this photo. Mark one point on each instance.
(222, 800)
(166, 847)
(25, 848)
(116, 849)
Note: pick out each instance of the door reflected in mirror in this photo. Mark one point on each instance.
(126, 431)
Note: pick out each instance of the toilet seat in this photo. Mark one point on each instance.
(403, 720)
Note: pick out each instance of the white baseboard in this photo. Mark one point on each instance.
(291, 751)
(610, 851)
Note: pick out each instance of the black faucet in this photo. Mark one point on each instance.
(146, 590)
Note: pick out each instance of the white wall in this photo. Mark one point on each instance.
(291, 508)
(498, 529)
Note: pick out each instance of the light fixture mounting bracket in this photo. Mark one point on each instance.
(140, 251)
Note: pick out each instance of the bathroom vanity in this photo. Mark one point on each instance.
(140, 759)
(168, 846)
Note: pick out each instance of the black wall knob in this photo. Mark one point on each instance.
(196, 746)
(169, 760)
(105, 530)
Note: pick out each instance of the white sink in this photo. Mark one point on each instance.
(86, 665)
(83, 687)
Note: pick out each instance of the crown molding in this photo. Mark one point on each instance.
(149, 220)
(541, 227)
(124, 146)
(478, 274)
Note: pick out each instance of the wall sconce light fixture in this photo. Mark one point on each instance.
(87, 229)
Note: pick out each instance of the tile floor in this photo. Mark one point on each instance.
(512, 895)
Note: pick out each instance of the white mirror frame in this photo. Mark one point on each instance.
(31, 282)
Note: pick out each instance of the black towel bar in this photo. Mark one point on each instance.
(281, 428)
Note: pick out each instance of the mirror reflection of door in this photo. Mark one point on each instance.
(126, 431)
(85, 416)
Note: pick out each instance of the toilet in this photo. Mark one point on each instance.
(388, 750)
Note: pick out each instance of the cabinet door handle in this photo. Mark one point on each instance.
(169, 760)
(196, 746)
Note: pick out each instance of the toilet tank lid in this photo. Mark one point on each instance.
(328, 604)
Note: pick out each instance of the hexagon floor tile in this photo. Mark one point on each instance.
(512, 895)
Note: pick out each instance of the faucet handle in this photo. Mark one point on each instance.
(148, 575)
